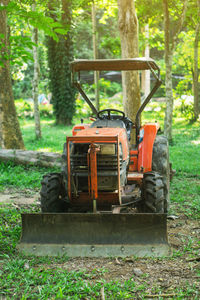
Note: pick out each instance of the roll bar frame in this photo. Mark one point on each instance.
(133, 64)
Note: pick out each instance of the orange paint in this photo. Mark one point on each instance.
(94, 134)
(92, 160)
(78, 128)
(147, 136)
(133, 163)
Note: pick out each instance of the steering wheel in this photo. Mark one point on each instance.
(109, 116)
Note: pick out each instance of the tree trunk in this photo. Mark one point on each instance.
(44, 159)
(196, 70)
(35, 82)
(147, 72)
(1, 126)
(171, 39)
(128, 27)
(11, 133)
(95, 54)
(169, 96)
(60, 54)
(168, 75)
(145, 78)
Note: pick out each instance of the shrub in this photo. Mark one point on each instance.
(25, 109)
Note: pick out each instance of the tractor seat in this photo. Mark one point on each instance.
(108, 123)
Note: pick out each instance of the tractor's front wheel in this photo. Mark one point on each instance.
(152, 193)
(52, 193)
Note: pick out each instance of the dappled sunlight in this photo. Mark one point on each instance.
(196, 142)
(48, 121)
(49, 149)
(27, 125)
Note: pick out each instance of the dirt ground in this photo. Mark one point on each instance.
(179, 271)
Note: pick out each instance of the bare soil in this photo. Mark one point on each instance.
(179, 271)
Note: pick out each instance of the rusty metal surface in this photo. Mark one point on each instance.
(109, 233)
(140, 63)
(92, 166)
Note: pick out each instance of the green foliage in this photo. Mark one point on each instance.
(21, 20)
(108, 36)
(187, 110)
(25, 109)
(38, 19)
(22, 74)
(20, 49)
(108, 88)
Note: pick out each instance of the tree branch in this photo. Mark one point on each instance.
(179, 24)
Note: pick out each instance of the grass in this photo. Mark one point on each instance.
(59, 283)
(53, 137)
(45, 278)
(21, 177)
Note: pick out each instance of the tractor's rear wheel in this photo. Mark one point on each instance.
(152, 193)
(155, 189)
(52, 194)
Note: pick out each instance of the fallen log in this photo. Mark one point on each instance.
(25, 157)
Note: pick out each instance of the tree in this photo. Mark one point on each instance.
(11, 134)
(60, 54)
(173, 23)
(35, 81)
(14, 52)
(95, 53)
(195, 68)
(128, 27)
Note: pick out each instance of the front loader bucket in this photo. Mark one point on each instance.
(94, 235)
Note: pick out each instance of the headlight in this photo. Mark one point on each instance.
(107, 149)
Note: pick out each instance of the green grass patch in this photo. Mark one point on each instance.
(47, 283)
(53, 136)
(21, 177)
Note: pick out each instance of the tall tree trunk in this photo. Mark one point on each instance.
(128, 27)
(169, 95)
(35, 82)
(147, 72)
(95, 54)
(60, 54)
(11, 134)
(171, 39)
(168, 75)
(145, 78)
(196, 70)
(1, 126)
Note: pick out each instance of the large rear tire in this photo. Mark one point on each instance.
(53, 194)
(152, 193)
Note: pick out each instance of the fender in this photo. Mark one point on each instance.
(145, 148)
(79, 127)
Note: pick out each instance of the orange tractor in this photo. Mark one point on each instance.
(111, 197)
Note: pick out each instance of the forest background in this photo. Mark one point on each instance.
(43, 37)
